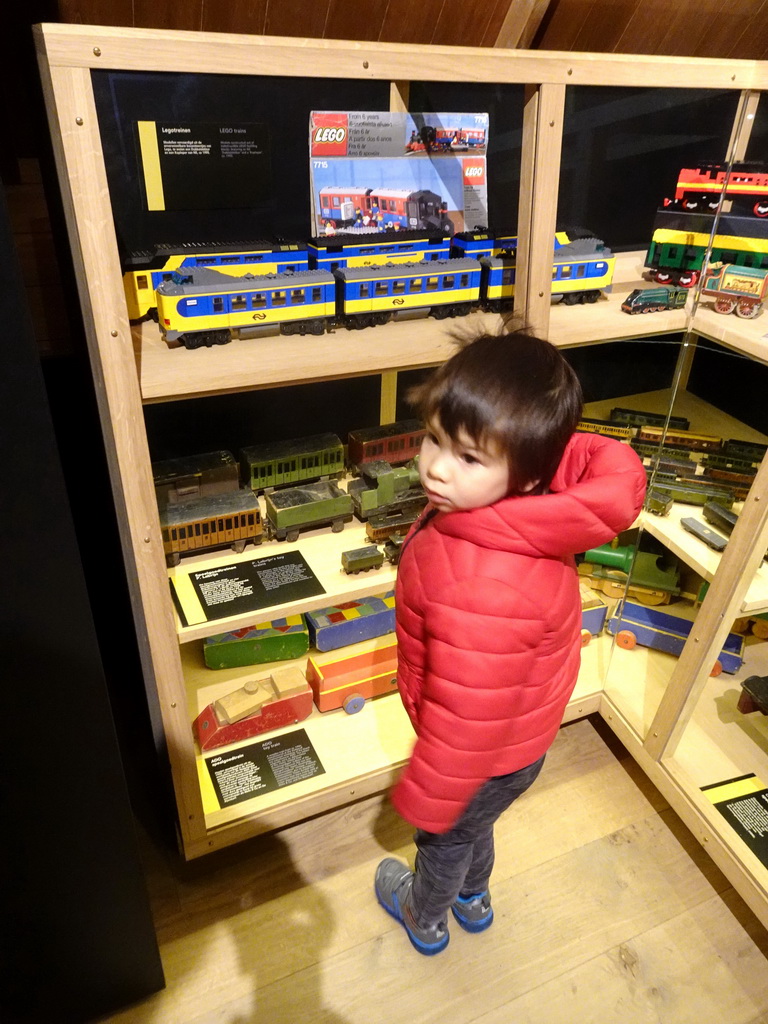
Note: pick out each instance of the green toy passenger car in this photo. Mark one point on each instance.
(654, 300)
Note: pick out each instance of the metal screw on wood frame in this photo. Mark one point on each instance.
(96, 51)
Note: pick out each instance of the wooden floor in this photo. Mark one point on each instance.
(607, 911)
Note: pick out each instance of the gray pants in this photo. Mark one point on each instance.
(459, 862)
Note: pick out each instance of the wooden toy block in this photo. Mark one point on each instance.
(260, 705)
(279, 640)
(348, 680)
(344, 624)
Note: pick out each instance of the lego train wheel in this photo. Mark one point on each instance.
(353, 703)
(725, 305)
(626, 639)
(571, 299)
(688, 278)
(747, 310)
(662, 276)
(717, 668)
(760, 209)
(586, 636)
(590, 296)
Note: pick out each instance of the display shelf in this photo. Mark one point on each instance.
(321, 549)
(269, 360)
(361, 753)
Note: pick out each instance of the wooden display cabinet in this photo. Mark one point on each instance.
(671, 726)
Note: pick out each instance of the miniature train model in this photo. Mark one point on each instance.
(200, 307)
(394, 442)
(680, 242)
(298, 460)
(745, 185)
(739, 290)
(364, 250)
(230, 519)
(383, 489)
(194, 476)
(144, 271)
(343, 206)
(654, 300)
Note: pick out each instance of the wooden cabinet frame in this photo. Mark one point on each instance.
(129, 373)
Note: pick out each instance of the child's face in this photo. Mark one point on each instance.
(461, 474)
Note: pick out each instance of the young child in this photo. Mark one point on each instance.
(488, 609)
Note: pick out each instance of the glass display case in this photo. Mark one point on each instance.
(584, 148)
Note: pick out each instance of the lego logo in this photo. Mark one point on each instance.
(330, 134)
(474, 172)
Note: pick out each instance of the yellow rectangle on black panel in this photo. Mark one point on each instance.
(150, 165)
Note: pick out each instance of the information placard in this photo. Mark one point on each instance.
(220, 592)
(743, 802)
(262, 767)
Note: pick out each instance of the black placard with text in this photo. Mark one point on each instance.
(262, 767)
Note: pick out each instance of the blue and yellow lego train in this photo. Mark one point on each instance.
(199, 306)
(144, 271)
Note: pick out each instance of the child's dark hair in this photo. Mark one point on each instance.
(511, 389)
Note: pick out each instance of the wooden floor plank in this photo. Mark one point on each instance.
(595, 878)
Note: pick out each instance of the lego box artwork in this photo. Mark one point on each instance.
(381, 171)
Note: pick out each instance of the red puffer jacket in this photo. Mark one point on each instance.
(489, 622)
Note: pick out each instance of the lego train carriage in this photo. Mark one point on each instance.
(203, 308)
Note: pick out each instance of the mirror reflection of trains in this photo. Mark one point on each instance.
(746, 187)
(230, 519)
(144, 271)
(201, 308)
(344, 206)
(687, 465)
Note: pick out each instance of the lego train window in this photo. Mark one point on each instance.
(213, 158)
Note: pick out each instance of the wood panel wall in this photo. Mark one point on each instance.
(687, 28)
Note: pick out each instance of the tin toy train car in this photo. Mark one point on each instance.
(295, 461)
(231, 519)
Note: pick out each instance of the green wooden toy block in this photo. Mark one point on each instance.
(279, 640)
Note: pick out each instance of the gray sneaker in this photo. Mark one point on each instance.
(393, 888)
(474, 913)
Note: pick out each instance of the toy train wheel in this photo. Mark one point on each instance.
(725, 305)
(291, 535)
(690, 204)
(440, 312)
(317, 327)
(353, 703)
(747, 310)
(717, 668)
(626, 639)
(662, 276)
(586, 636)
(570, 299)
(760, 209)
(688, 279)
(591, 297)
(336, 526)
